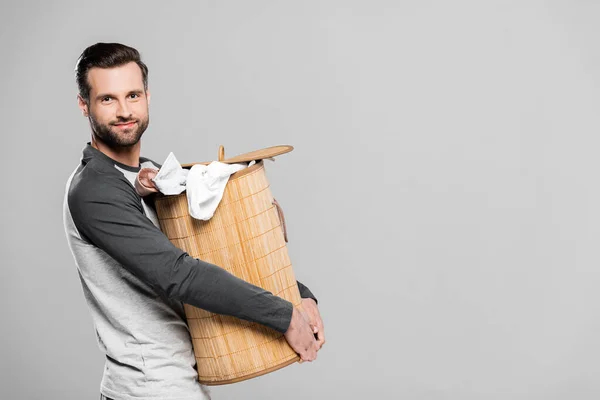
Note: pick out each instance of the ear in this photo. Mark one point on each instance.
(148, 96)
(83, 106)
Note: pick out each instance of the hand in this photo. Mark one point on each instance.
(314, 320)
(143, 182)
(300, 336)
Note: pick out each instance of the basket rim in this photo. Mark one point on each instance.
(236, 175)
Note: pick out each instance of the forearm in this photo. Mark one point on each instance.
(212, 288)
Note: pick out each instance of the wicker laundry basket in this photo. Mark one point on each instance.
(246, 236)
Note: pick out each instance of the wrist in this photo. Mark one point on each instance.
(309, 300)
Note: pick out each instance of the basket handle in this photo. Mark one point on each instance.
(281, 218)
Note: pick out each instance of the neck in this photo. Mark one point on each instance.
(125, 155)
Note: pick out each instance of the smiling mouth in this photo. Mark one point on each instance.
(125, 124)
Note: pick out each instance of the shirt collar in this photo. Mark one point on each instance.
(90, 153)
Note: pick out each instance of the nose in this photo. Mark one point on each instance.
(123, 110)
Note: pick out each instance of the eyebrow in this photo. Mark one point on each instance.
(103, 95)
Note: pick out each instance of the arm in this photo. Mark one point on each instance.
(108, 213)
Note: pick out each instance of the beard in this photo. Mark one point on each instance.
(115, 137)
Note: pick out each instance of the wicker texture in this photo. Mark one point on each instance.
(246, 238)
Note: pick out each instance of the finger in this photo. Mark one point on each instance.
(315, 348)
(311, 351)
(307, 355)
(321, 332)
(320, 339)
(320, 322)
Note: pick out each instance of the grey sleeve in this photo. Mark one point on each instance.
(108, 213)
(305, 292)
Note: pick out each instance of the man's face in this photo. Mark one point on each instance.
(118, 105)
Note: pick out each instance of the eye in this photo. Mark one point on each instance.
(106, 99)
(134, 95)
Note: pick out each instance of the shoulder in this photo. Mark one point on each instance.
(95, 183)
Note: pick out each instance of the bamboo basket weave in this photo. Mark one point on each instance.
(245, 236)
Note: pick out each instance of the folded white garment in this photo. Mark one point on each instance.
(205, 186)
(171, 178)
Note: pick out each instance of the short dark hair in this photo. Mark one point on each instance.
(105, 55)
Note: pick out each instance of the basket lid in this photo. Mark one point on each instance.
(255, 155)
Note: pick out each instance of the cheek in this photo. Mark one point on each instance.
(141, 110)
(103, 115)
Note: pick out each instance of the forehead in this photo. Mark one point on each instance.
(120, 79)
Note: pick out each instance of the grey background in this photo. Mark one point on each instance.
(442, 197)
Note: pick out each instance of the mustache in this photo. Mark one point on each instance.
(123, 121)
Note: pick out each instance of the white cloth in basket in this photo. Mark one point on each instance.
(171, 177)
(204, 184)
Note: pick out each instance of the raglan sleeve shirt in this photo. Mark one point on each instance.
(108, 214)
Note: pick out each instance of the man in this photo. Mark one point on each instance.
(134, 280)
